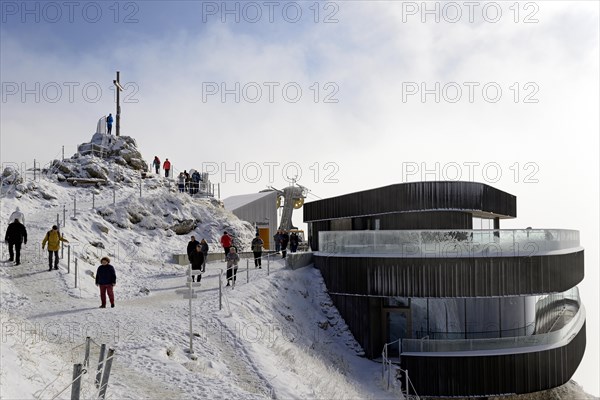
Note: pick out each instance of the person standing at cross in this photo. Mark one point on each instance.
(109, 122)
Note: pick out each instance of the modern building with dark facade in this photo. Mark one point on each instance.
(468, 312)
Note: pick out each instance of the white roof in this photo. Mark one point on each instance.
(234, 202)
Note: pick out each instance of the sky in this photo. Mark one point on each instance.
(341, 96)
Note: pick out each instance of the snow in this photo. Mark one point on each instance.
(277, 336)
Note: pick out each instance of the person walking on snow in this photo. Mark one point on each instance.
(285, 238)
(226, 242)
(204, 246)
(53, 238)
(156, 164)
(109, 122)
(257, 246)
(16, 234)
(167, 167)
(277, 240)
(197, 260)
(17, 214)
(106, 279)
(232, 265)
(191, 247)
(294, 242)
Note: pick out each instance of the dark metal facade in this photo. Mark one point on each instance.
(358, 285)
(452, 277)
(415, 196)
(499, 374)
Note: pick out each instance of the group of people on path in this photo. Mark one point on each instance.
(166, 166)
(197, 252)
(189, 183)
(281, 239)
(16, 236)
(231, 257)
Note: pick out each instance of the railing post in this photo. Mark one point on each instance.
(407, 381)
(106, 374)
(76, 272)
(247, 270)
(114, 195)
(68, 259)
(76, 385)
(64, 214)
(100, 364)
(62, 250)
(93, 200)
(86, 359)
(220, 289)
(74, 206)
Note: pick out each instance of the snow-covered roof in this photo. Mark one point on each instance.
(234, 202)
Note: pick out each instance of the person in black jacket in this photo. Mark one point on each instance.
(205, 252)
(285, 238)
(191, 247)
(197, 260)
(16, 234)
(106, 279)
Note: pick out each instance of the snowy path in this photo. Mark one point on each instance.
(73, 319)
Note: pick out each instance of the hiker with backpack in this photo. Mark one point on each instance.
(156, 164)
(53, 238)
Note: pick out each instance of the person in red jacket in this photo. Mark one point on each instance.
(167, 167)
(226, 242)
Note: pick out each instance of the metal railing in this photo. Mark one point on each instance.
(387, 367)
(449, 243)
(551, 339)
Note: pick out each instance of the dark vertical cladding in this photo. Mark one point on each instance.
(452, 277)
(499, 374)
(417, 196)
(360, 284)
(363, 317)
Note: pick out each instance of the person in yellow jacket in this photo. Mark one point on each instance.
(53, 238)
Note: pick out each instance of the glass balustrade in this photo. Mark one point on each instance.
(449, 243)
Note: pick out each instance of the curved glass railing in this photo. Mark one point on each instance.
(548, 340)
(449, 243)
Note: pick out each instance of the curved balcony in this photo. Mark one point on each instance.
(522, 364)
(450, 263)
(449, 243)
